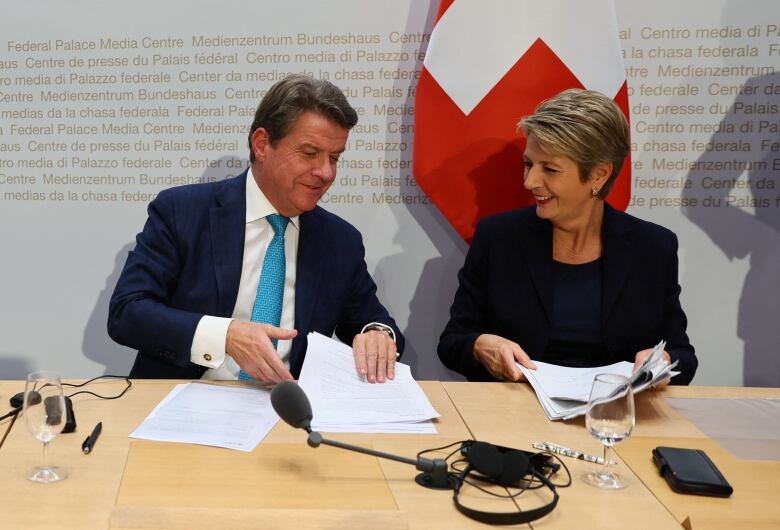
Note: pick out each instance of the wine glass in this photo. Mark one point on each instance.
(610, 418)
(44, 414)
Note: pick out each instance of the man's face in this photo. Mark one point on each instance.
(297, 172)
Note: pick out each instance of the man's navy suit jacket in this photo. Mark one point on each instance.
(187, 264)
(506, 289)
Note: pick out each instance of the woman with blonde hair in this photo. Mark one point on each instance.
(571, 280)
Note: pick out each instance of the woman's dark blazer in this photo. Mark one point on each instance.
(506, 289)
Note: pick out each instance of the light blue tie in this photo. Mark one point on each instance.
(270, 288)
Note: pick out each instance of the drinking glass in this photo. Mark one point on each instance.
(44, 414)
(610, 418)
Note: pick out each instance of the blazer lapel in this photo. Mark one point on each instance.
(228, 224)
(307, 276)
(536, 243)
(617, 258)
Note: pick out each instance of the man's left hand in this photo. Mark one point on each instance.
(374, 353)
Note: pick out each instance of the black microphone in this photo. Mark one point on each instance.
(291, 404)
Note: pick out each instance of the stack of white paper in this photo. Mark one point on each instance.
(563, 392)
(343, 402)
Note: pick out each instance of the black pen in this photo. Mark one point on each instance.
(89, 443)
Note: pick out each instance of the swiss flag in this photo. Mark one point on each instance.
(489, 64)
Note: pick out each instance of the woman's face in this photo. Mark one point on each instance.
(554, 180)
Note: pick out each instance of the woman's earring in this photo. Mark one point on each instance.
(595, 191)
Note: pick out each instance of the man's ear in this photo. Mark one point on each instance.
(260, 142)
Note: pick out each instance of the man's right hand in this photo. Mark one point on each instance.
(498, 355)
(249, 343)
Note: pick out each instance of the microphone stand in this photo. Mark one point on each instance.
(434, 471)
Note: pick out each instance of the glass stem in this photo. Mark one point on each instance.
(606, 458)
(44, 454)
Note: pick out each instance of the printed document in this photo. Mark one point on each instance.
(221, 416)
(563, 392)
(343, 402)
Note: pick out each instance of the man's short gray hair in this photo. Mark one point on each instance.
(292, 96)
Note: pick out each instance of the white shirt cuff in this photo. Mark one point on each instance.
(208, 343)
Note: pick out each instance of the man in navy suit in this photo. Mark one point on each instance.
(186, 295)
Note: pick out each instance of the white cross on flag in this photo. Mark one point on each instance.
(488, 64)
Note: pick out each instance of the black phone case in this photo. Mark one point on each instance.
(691, 471)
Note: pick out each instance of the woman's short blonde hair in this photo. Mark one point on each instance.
(584, 125)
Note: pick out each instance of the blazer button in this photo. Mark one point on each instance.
(207, 356)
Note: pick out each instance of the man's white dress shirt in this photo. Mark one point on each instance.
(208, 344)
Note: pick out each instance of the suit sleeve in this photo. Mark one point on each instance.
(362, 306)
(675, 322)
(141, 314)
(468, 313)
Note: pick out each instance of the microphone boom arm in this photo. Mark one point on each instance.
(434, 472)
(291, 404)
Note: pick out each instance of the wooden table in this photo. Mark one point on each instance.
(284, 483)
(131, 484)
(509, 414)
(755, 503)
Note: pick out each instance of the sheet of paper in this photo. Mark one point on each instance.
(343, 402)
(222, 416)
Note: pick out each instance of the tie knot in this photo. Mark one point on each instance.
(278, 222)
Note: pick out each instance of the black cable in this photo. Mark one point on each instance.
(537, 479)
(14, 413)
(122, 393)
(565, 468)
(424, 451)
(457, 449)
(531, 483)
(10, 426)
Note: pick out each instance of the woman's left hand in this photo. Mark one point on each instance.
(644, 354)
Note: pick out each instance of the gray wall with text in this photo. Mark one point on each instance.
(102, 106)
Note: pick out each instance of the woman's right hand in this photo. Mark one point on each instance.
(498, 355)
